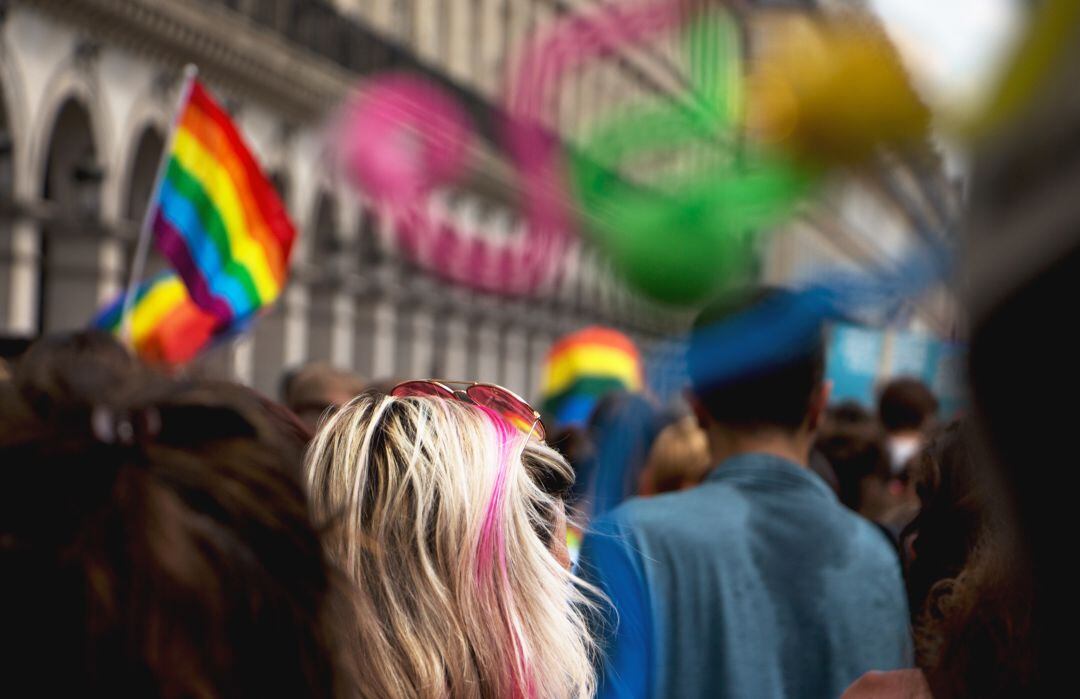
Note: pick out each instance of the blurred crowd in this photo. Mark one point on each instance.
(168, 536)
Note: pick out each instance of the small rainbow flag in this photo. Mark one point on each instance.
(583, 366)
(167, 327)
(218, 219)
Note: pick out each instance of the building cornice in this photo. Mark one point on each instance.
(250, 61)
(247, 59)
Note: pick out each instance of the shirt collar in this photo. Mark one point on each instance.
(758, 467)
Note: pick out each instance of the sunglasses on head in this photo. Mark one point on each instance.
(503, 401)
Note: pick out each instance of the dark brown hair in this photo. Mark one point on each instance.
(969, 605)
(154, 537)
(906, 404)
(856, 450)
(774, 395)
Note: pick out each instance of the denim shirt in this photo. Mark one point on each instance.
(758, 583)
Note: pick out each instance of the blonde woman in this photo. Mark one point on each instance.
(447, 513)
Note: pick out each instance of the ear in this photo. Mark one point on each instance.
(700, 413)
(819, 401)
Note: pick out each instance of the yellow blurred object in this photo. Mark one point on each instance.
(1047, 37)
(830, 91)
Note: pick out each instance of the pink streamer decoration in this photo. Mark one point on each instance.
(404, 137)
(408, 137)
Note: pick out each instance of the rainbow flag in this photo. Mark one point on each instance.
(583, 366)
(167, 327)
(218, 219)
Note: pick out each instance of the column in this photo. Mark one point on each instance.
(296, 325)
(460, 39)
(382, 362)
(490, 46)
(113, 279)
(488, 346)
(429, 35)
(404, 338)
(268, 350)
(342, 337)
(539, 344)
(243, 359)
(516, 369)
(422, 351)
(364, 326)
(23, 300)
(455, 352)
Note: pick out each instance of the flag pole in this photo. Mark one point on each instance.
(142, 248)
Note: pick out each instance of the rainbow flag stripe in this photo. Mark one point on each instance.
(219, 220)
(167, 326)
(583, 366)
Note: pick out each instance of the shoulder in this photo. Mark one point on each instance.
(701, 518)
(702, 503)
(873, 541)
(897, 684)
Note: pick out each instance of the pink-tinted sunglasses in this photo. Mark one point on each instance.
(503, 401)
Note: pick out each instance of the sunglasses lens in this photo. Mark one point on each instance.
(515, 411)
(420, 388)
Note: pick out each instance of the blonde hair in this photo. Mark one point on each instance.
(438, 517)
(679, 456)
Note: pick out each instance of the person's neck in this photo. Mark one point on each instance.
(726, 444)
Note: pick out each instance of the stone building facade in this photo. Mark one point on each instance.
(86, 92)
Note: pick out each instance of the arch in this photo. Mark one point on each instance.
(370, 245)
(138, 185)
(71, 84)
(13, 107)
(7, 193)
(282, 185)
(10, 127)
(326, 244)
(7, 152)
(71, 170)
(269, 334)
(141, 171)
(71, 181)
(325, 227)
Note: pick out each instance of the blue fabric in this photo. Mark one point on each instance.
(757, 583)
(184, 217)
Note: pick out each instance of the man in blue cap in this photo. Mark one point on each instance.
(758, 583)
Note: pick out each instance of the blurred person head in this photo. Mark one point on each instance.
(776, 407)
(317, 388)
(858, 453)
(71, 369)
(679, 459)
(451, 524)
(906, 405)
(621, 431)
(846, 413)
(907, 408)
(155, 539)
(295, 434)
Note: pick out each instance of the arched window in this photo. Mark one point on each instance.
(69, 272)
(323, 261)
(7, 181)
(369, 245)
(144, 167)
